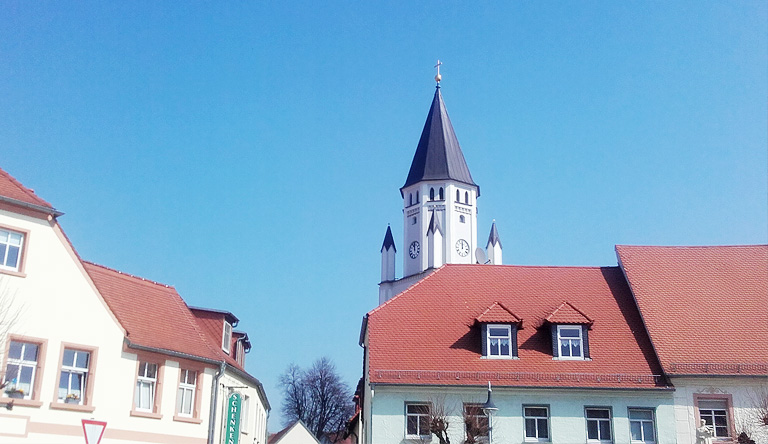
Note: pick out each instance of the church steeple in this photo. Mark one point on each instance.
(438, 155)
(439, 191)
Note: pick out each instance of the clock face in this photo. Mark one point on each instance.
(414, 249)
(462, 247)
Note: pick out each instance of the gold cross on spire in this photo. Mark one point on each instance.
(438, 77)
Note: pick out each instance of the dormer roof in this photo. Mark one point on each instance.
(438, 155)
(566, 313)
(498, 314)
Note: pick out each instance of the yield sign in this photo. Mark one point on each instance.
(93, 430)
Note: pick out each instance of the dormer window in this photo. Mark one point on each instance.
(570, 328)
(499, 340)
(226, 339)
(569, 341)
(498, 327)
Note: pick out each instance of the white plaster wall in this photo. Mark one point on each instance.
(744, 392)
(567, 423)
(256, 432)
(57, 303)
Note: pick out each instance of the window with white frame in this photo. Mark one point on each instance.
(21, 368)
(417, 420)
(145, 386)
(642, 428)
(569, 339)
(244, 414)
(476, 422)
(10, 249)
(226, 340)
(536, 423)
(74, 376)
(186, 399)
(715, 413)
(499, 340)
(598, 424)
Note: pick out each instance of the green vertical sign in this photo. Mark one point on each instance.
(234, 404)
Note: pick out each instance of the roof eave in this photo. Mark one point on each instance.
(30, 206)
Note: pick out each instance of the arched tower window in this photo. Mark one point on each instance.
(458, 194)
(461, 218)
(417, 196)
(431, 194)
(410, 199)
(466, 197)
(441, 193)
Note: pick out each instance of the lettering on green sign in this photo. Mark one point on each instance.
(234, 404)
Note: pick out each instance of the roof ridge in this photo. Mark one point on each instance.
(129, 275)
(28, 191)
(581, 267)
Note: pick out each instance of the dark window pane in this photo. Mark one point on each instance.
(25, 375)
(530, 427)
(542, 426)
(635, 430)
(648, 431)
(598, 413)
(11, 372)
(412, 422)
(605, 430)
(592, 430)
(720, 420)
(82, 359)
(15, 350)
(30, 352)
(69, 357)
(13, 257)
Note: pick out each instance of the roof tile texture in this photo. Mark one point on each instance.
(706, 308)
(431, 326)
(12, 188)
(154, 315)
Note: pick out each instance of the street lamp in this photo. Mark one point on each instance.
(489, 408)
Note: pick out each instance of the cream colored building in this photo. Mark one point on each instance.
(84, 342)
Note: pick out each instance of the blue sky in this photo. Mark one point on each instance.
(251, 154)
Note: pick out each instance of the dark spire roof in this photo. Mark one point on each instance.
(438, 155)
(493, 238)
(434, 225)
(389, 241)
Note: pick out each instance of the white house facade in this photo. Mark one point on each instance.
(84, 342)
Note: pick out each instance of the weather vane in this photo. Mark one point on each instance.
(438, 77)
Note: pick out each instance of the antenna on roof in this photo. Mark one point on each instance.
(480, 256)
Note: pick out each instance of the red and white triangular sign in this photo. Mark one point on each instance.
(93, 430)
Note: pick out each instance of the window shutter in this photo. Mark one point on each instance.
(585, 340)
(513, 342)
(555, 347)
(484, 340)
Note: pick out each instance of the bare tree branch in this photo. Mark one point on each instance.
(318, 397)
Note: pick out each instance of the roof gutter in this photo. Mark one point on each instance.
(29, 206)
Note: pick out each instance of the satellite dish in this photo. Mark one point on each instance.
(480, 256)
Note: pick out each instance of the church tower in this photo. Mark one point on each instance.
(438, 186)
(439, 208)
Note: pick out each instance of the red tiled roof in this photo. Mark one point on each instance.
(12, 188)
(498, 313)
(154, 315)
(427, 334)
(706, 308)
(566, 313)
